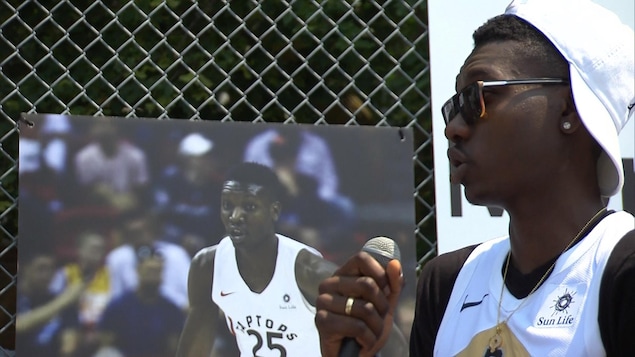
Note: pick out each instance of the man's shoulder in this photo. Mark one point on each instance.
(309, 256)
(312, 268)
(89, 150)
(622, 256)
(448, 264)
(124, 252)
(204, 257)
(170, 250)
(296, 245)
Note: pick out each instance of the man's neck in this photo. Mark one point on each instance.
(256, 265)
(545, 235)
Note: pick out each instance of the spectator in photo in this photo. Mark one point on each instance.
(186, 196)
(140, 236)
(89, 268)
(46, 324)
(142, 322)
(110, 170)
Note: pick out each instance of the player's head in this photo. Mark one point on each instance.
(545, 58)
(105, 132)
(250, 203)
(37, 271)
(285, 146)
(197, 160)
(91, 249)
(600, 53)
(139, 228)
(149, 270)
(538, 104)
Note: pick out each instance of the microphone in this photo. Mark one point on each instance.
(383, 249)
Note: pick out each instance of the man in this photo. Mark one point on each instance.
(534, 129)
(186, 195)
(46, 324)
(139, 231)
(88, 268)
(111, 171)
(264, 283)
(142, 322)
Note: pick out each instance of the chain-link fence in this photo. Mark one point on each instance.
(352, 62)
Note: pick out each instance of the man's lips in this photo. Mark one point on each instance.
(456, 156)
(457, 164)
(235, 231)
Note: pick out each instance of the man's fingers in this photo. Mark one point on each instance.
(363, 264)
(361, 313)
(340, 326)
(363, 287)
(395, 279)
(374, 290)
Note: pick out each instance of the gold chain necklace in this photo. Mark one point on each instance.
(496, 341)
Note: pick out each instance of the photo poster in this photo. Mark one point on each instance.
(451, 24)
(93, 188)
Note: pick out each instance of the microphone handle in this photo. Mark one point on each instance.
(350, 348)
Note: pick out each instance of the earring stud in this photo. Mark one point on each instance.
(566, 125)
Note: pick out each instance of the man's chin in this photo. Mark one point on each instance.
(238, 239)
(481, 198)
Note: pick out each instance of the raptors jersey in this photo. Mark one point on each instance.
(559, 319)
(278, 321)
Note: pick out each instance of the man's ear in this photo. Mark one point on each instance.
(569, 119)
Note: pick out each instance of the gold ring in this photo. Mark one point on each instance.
(349, 305)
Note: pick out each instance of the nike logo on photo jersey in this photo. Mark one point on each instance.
(222, 293)
(472, 303)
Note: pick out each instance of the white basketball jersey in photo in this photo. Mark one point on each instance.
(276, 322)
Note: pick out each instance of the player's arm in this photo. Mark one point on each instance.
(199, 333)
(310, 270)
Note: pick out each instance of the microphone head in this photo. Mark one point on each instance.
(383, 249)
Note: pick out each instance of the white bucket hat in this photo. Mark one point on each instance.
(600, 50)
(195, 144)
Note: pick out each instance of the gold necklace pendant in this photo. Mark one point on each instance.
(496, 341)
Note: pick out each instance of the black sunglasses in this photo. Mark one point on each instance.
(470, 103)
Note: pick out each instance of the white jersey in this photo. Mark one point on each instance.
(562, 314)
(278, 321)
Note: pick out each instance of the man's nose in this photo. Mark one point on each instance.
(457, 129)
(237, 214)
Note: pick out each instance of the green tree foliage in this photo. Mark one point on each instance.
(238, 60)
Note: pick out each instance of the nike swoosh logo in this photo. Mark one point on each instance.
(222, 293)
(472, 303)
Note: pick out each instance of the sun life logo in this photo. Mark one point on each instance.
(287, 305)
(562, 303)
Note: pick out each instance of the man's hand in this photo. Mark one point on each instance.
(375, 291)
